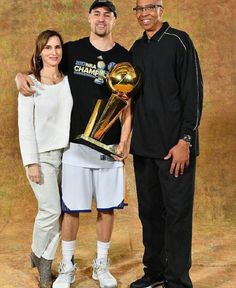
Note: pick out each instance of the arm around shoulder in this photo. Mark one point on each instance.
(24, 84)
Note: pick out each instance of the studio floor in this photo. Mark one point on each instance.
(214, 248)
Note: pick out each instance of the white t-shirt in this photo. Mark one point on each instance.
(44, 119)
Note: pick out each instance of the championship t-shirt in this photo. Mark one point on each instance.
(86, 68)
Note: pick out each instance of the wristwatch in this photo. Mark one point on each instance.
(187, 138)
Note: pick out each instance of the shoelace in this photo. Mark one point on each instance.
(64, 275)
(100, 265)
(102, 270)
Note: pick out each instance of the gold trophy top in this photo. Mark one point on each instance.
(123, 78)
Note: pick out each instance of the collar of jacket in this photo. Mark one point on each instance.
(158, 35)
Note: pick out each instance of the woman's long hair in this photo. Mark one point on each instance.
(36, 63)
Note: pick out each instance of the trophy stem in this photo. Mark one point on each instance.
(110, 114)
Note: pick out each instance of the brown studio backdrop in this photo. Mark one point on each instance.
(210, 26)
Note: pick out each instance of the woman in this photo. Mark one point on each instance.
(44, 121)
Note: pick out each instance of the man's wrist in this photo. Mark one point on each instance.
(187, 138)
(183, 143)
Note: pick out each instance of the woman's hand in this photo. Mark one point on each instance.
(34, 173)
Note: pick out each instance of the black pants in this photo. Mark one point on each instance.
(165, 210)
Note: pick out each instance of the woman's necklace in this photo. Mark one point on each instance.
(52, 79)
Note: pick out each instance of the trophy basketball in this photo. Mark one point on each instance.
(123, 79)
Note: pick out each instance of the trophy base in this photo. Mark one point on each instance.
(97, 145)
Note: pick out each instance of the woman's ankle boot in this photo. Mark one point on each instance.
(35, 260)
(45, 273)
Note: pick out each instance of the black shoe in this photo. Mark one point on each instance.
(147, 282)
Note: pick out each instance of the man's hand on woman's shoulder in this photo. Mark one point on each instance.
(24, 84)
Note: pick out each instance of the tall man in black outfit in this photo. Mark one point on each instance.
(165, 145)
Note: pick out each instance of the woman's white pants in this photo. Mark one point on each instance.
(46, 232)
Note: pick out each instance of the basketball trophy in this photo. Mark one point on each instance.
(123, 80)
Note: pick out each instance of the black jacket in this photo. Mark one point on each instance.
(170, 101)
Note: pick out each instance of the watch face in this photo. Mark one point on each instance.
(187, 138)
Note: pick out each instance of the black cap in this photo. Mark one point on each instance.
(103, 3)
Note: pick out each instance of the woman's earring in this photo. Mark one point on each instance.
(39, 58)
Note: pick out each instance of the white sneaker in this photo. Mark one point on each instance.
(66, 275)
(102, 274)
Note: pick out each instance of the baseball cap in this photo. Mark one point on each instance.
(103, 3)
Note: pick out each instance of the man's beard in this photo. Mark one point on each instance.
(100, 34)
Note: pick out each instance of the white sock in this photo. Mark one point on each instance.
(68, 248)
(102, 249)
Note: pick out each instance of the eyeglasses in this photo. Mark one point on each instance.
(148, 8)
